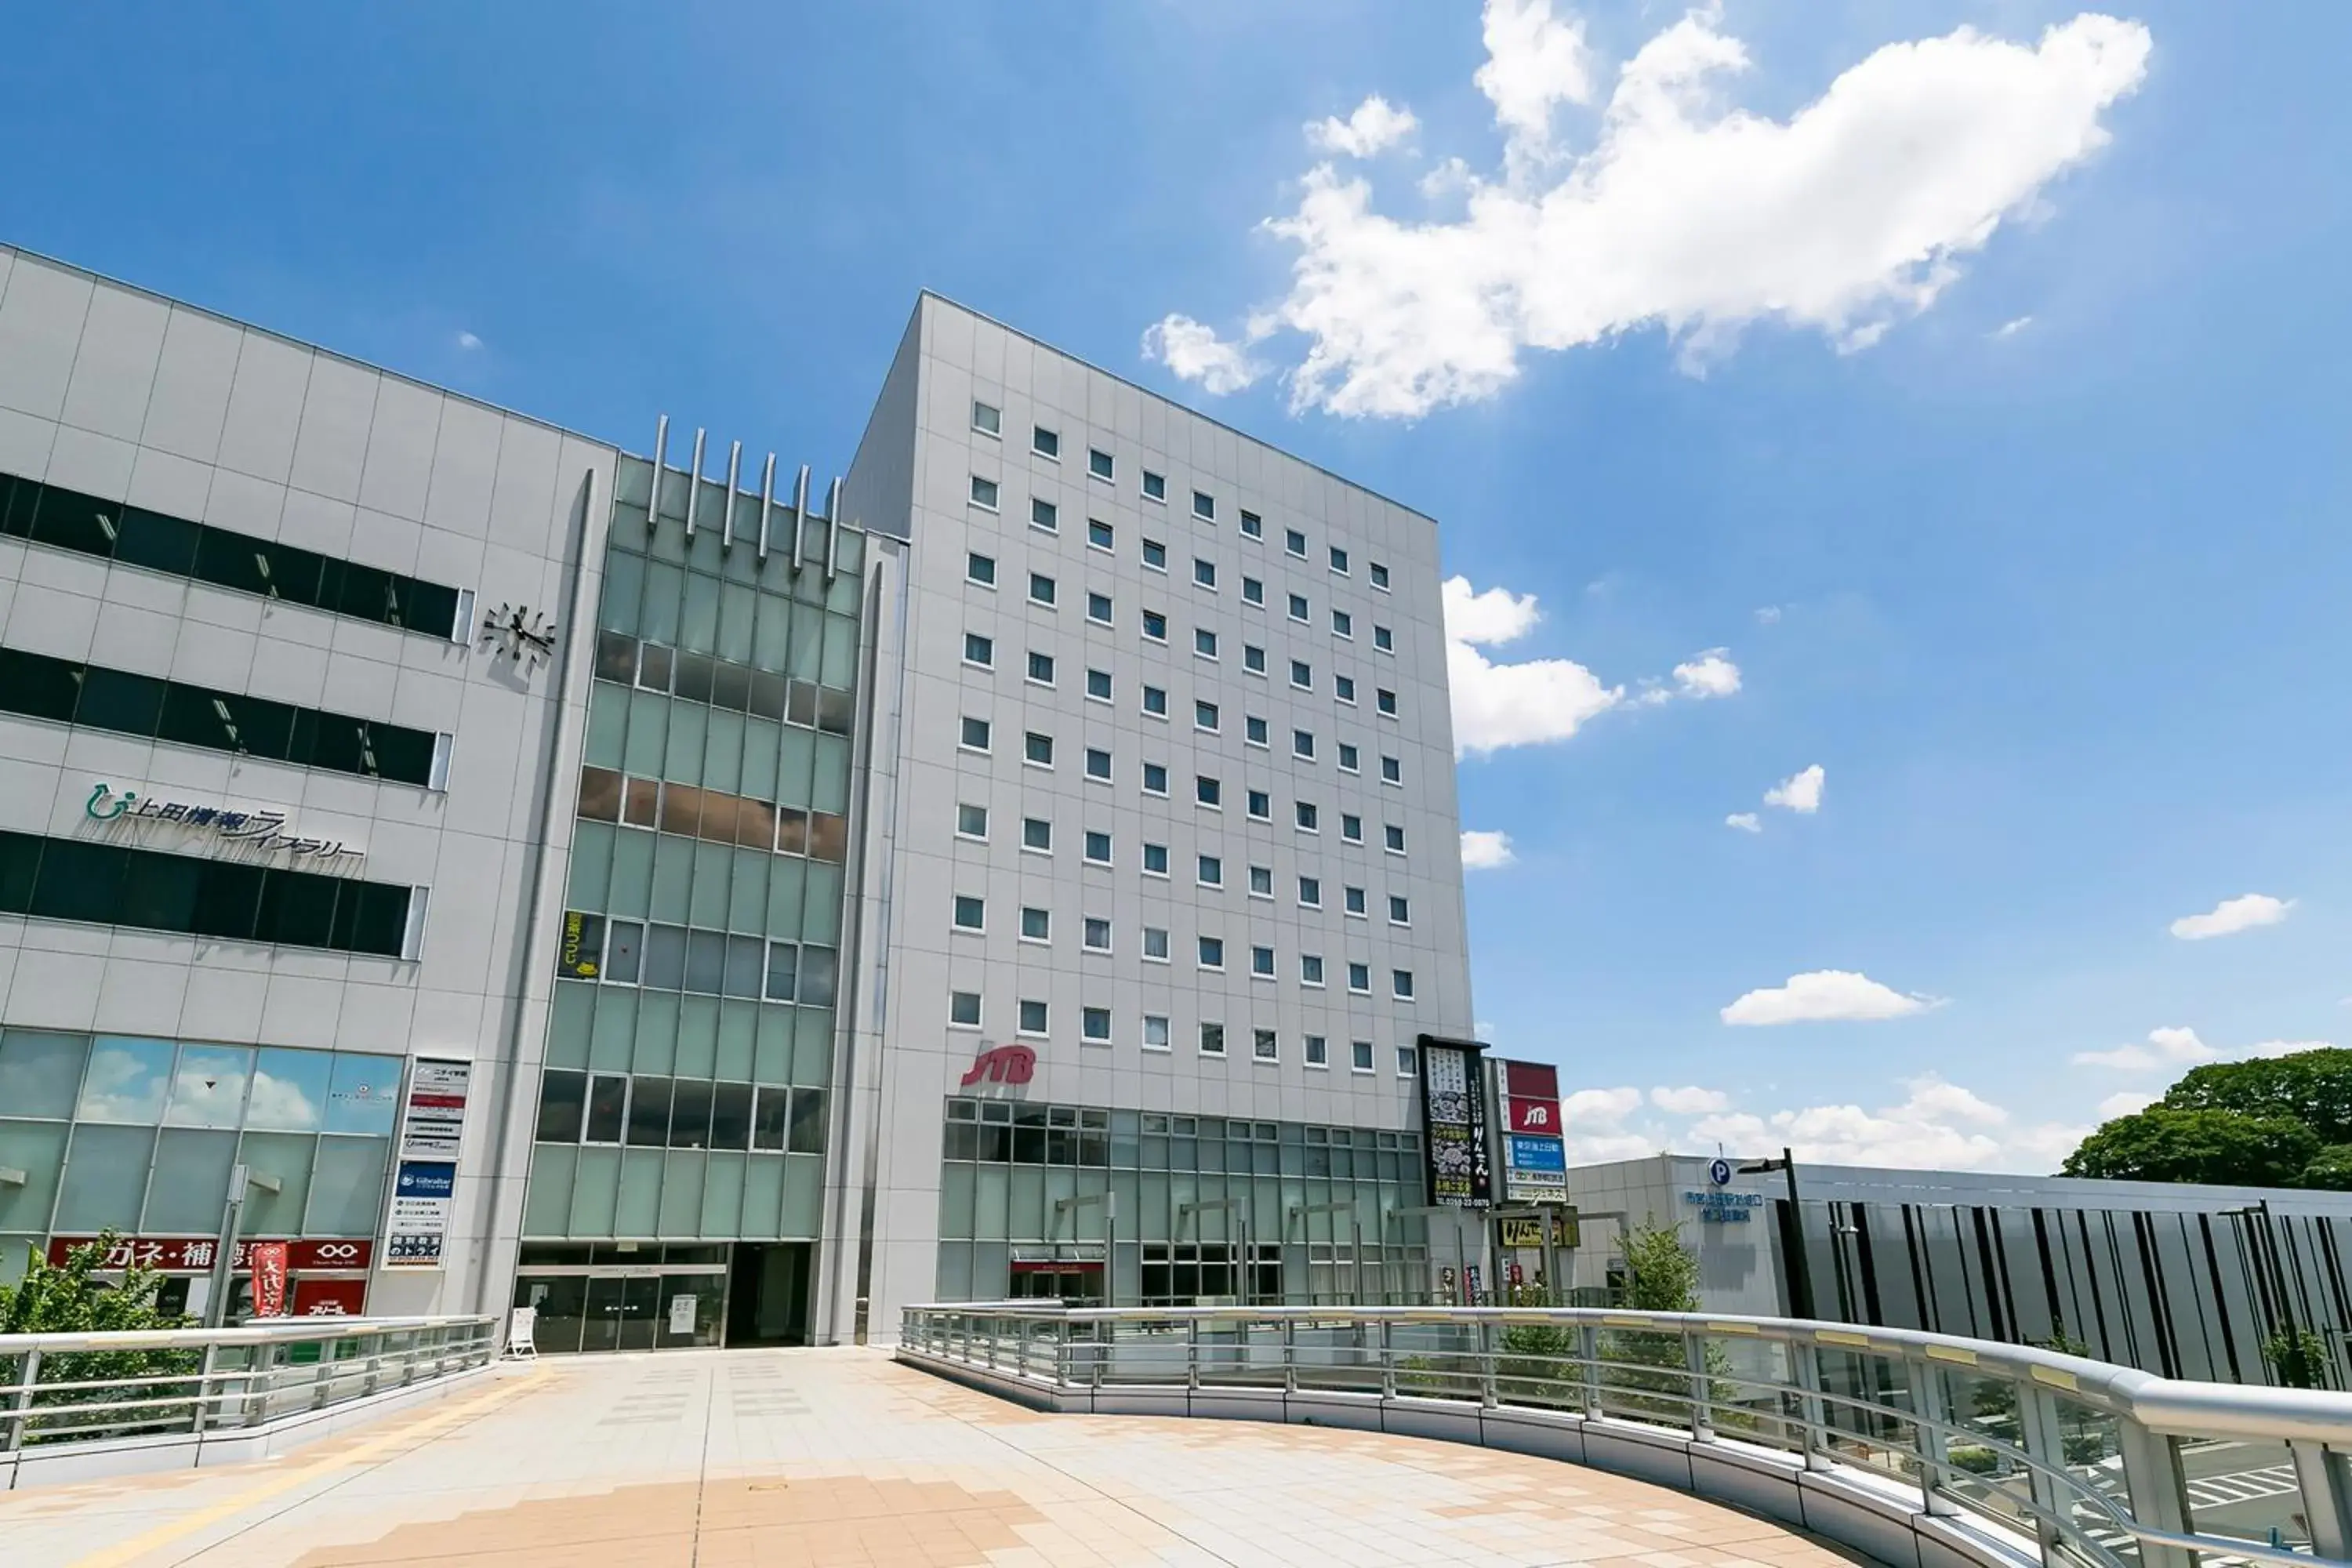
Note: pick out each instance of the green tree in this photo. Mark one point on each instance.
(2330, 1170)
(1649, 1371)
(2314, 1088)
(2172, 1143)
(71, 1298)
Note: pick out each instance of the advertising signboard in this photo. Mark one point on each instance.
(1454, 1131)
(424, 1179)
(268, 1278)
(1535, 1160)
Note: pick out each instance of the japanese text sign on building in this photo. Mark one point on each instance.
(250, 829)
(1534, 1158)
(424, 1177)
(1453, 1122)
(194, 1253)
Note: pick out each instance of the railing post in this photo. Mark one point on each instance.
(2158, 1494)
(1928, 1404)
(2319, 1473)
(2037, 1421)
(1289, 1356)
(1589, 1352)
(203, 1405)
(1386, 1340)
(1702, 1393)
(1105, 1335)
(1487, 1337)
(20, 1403)
(1192, 1354)
(1805, 1357)
(259, 1383)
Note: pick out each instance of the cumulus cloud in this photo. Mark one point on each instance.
(1498, 705)
(1192, 352)
(1746, 821)
(1937, 1124)
(2167, 1047)
(1799, 793)
(1484, 849)
(1592, 1123)
(2231, 916)
(1690, 1100)
(1685, 211)
(1376, 125)
(2124, 1102)
(1824, 995)
(1711, 674)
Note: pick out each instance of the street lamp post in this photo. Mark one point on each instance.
(224, 1248)
(1801, 1270)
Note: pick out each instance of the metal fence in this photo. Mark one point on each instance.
(79, 1388)
(2078, 1461)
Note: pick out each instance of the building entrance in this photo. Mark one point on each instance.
(769, 1294)
(1078, 1282)
(623, 1296)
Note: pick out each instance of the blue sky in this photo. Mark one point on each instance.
(2057, 609)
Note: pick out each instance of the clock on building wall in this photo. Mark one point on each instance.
(523, 634)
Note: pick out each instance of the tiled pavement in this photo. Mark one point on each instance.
(781, 1458)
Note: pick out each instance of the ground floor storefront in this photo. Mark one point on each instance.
(585, 1298)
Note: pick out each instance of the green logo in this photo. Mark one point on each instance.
(105, 806)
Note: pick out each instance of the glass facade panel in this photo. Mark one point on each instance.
(41, 1074)
(105, 1178)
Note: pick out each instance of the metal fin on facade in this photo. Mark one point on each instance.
(767, 502)
(694, 483)
(800, 514)
(661, 448)
(832, 526)
(734, 471)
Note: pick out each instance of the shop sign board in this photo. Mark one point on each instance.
(194, 1253)
(329, 1298)
(1454, 1132)
(269, 1259)
(424, 1179)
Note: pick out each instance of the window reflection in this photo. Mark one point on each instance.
(127, 1081)
(365, 1094)
(289, 1091)
(208, 1090)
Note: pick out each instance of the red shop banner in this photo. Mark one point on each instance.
(316, 1298)
(268, 1260)
(194, 1253)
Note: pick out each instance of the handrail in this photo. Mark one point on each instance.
(2081, 1457)
(274, 1331)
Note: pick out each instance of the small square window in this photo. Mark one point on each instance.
(1343, 625)
(979, 650)
(1205, 717)
(1302, 744)
(1094, 1026)
(1155, 626)
(1155, 859)
(1155, 778)
(1302, 675)
(1338, 560)
(1408, 1061)
(1387, 701)
(1343, 687)
(974, 737)
(1099, 685)
(1033, 1017)
(1401, 984)
(1205, 506)
(1208, 790)
(1097, 847)
(1298, 606)
(1099, 608)
(1392, 769)
(1212, 871)
(1318, 1051)
(980, 568)
(1308, 816)
(1350, 761)
(1252, 526)
(1096, 935)
(971, 913)
(1041, 588)
(1097, 763)
(971, 822)
(1212, 1039)
(1037, 749)
(1046, 443)
(1212, 953)
(984, 493)
(1359, 978)
(1261, 881)
(1037, 925)
(1099, 464)
(1155, 555)
(1393, 838)
(1293, 544)
(1253, 730)
(1351, 828)
(1260, 805)
(1155, 1032)
(1099, 534)
(1253, 659)
(986, 419)
(1262, 963)
(1155, 486)
(1400, 910)
(1155, 701)
(1041, 667)
(963, 1009)
(1204, 642)
(1252, 591)
(1310, 892)
(1310, 969)
(1155, 943)
(1262, 1046)
(1379, 575)
(1383, 640)
(1354, 900)
(1045, 514)
(1037, 834)
(1204, 573)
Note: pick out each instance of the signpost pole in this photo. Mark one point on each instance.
(225, 1252)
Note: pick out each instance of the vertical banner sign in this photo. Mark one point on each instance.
(424, 1178)
(1453, 1135)
(267, 1261)
(1535, 1164)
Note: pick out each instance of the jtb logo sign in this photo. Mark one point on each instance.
(1003, 1064)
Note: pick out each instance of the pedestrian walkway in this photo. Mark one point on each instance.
(841, 1457)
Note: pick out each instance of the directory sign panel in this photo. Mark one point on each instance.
(1454, 1132)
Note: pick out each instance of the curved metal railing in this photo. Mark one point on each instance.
(2075, 1460)
(68, 1388)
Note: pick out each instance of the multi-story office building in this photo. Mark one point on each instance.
(640, 889)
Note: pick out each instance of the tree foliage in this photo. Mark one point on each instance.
(2169, 1143)
(2312, 1088)
(71, 1298)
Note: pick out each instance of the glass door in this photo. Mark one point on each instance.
(640, 1312)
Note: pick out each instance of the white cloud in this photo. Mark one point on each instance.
(1377, 124)
(468, 341)
(1485, 849)
(2167, 1047)
(1746, 821)
(1498, 705)
(1711, 674)
(1493, 616)
(1192, 352)
(1685, 211)
(2124, 1102)
(2010, 328)
(1690, 1100)
(1768, 616)
(1799, 793)
(1823, 995)
(1592, 1123)
(2231, 916)
(1939, 1124)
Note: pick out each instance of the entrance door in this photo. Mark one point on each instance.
(1075, 1283)
(767, 1295)
(622, 1313)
